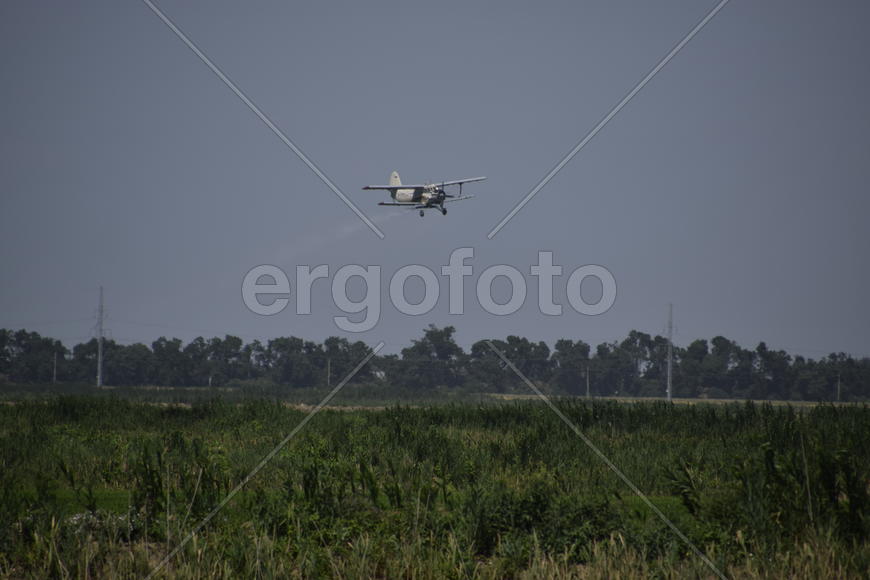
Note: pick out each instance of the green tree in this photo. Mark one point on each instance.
(295, 362)
(636, 350)
(29, 358)
(128, 365)
(227, 359)
(200, 366)
(172, 367)
(571, 363)
(433, 360)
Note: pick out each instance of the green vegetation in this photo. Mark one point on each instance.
(634, 367)
(98, 486)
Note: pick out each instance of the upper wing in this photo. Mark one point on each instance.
(440, 183)
(394, 187)
(459, 181)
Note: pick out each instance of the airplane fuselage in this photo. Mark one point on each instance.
(413, 195)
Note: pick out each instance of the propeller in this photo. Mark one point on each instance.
(443, 193)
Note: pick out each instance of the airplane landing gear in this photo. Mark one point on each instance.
(422, 213)
(443, 211)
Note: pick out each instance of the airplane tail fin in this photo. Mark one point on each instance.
(395, 179)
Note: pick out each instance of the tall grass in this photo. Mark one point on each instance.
(94, 486)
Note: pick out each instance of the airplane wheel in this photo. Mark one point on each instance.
(422, 213)
(443, 211)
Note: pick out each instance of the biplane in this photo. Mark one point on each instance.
(423, 197)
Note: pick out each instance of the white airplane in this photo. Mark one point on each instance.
(422, 197)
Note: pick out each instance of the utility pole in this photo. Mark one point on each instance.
(587, 380)
(100, 340)
(328, 373)
(670, 348)
(54, 370)
(838, 386)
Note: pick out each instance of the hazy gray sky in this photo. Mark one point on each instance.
(734, 184)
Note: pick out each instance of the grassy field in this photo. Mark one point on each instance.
(675, 400)
(99, 486)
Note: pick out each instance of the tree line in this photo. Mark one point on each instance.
(635, 366)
